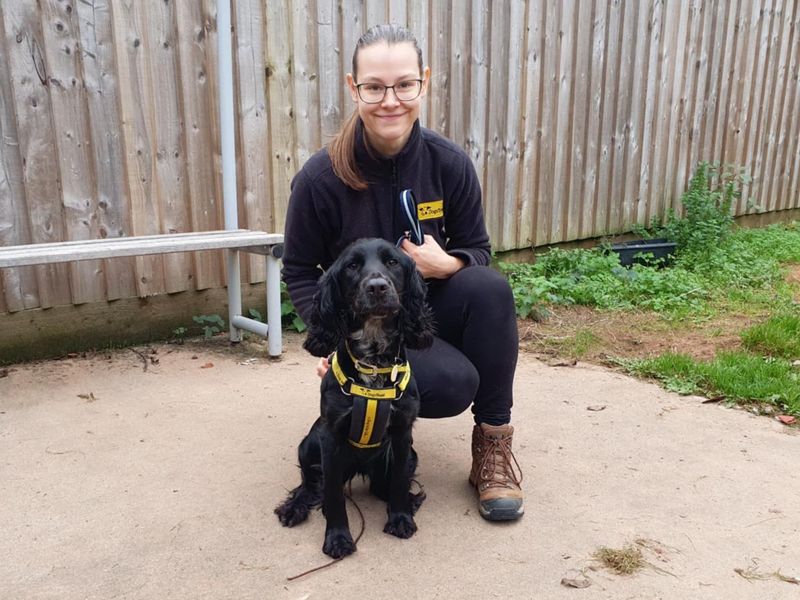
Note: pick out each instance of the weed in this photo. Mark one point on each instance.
(778, 336)
(623, 561)
(735, 376)
(210, 324)
(289, 316)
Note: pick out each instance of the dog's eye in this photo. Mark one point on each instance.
(391, 262)
(353, 266)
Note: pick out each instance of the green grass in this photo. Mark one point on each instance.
(778, 336)
(741, 273)
(738, 377)
(744, 271)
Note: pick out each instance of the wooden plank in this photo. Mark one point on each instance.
(134, 90)
(790, 157)
(102, 97)
(495, 123)
(306, 78)
(565, 118)
(418, 22)
(334, 104)
(509, 198)
(677, 109)
(398, 12)
(714, 45)
(458, 112)
(756, 60)
(608, 129)
(759, 105)
(165, 112)
(19, 289)
(281, 106)
(197, 113)
(696, 71)
(594, 114)
(439, 61)
(774, 125)
(581, 67)
(528, 182)
(545, 206)
(724, 66)
(619, 207)
(29, 83)
(255, 147)
(73, 142)
(478, 90)
(32, 254)
(644, 197)
(375, 13)
(638, 35)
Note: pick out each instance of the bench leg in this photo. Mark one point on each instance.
(234, 294)
(273, 289)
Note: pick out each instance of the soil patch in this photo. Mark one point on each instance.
(580, 332)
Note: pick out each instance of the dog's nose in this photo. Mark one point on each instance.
(377, 286)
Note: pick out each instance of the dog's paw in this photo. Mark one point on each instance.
(292, 513)
(400, 525)
(338, 543)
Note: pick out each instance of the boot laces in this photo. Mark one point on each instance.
(502, 472)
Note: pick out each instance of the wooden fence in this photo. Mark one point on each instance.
(582, 117)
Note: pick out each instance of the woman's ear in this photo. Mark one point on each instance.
(325, 327)
(426, 80)
(418, 325)
(351, 85)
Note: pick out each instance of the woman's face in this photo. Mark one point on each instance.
(388, 123)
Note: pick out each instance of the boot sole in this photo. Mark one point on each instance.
(501, 514)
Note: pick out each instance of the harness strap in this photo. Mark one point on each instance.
(372, 407)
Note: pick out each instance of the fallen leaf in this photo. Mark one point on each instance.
(566, 362)
(580, 581)
(4, 372)
(596, 407)
(88, 397)
(787, 419)
(207, 366)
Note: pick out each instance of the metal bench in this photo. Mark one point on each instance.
(269, 245)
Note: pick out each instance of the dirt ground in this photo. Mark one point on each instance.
(152, 473)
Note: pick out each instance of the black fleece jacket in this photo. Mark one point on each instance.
(325, 216)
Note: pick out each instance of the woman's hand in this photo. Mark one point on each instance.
(432, 261)
(322, 367)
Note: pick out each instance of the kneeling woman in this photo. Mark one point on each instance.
(351, 190)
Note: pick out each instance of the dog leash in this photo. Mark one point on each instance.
(408, 205)
(349, 496)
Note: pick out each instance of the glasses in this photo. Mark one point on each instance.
(404, 91)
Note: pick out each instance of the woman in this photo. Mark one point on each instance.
(351, 189)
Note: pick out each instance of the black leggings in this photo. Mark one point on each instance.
(473, 358)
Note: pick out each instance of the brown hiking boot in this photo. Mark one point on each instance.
(495, 473)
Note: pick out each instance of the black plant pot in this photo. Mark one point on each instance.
(660, 249)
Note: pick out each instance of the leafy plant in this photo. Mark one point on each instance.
(210, 324)
(707, 219)
(179, 334)
(289, 315)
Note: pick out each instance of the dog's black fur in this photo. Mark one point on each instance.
(373, 299)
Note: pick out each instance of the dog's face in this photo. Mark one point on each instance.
(371, 279)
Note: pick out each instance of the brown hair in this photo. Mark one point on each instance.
(342, 148)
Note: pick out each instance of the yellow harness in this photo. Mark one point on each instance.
(372, 407)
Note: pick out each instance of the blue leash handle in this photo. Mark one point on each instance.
(408, 203)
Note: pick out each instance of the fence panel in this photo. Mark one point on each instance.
(582, 117)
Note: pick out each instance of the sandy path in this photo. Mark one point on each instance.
(162, 484)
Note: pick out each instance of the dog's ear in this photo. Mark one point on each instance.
(325, 327)
(417, 321)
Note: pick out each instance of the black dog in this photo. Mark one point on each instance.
(369, 307)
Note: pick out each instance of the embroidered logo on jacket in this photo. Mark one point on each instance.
(430, 210)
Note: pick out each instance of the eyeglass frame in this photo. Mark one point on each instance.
(386, 88)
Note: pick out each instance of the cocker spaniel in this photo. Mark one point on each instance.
(370, 307)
